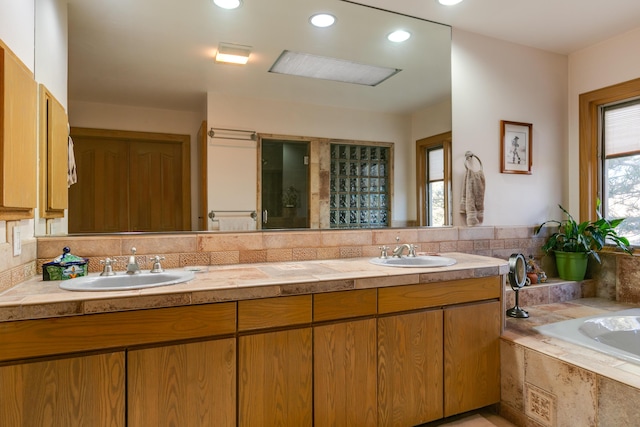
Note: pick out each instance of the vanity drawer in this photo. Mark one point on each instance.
(274, 312)
(344, 305)
(45, 337)
(413, 297)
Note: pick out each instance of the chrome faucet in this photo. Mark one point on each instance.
(399, 249)
(132, 265)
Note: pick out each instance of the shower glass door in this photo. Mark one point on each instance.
(285, 176)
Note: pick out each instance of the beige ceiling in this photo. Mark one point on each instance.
(157, 53)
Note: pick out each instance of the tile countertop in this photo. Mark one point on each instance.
(35, 299)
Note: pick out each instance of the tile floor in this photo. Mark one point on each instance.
(481, 418)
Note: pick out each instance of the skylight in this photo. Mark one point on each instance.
(325, 68)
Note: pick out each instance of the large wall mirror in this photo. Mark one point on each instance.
(144, 53)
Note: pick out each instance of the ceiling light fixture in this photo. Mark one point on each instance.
(228, 4)
(399, 36)
(325, 68)
(322, 20)
(233, 53)
(449, 2)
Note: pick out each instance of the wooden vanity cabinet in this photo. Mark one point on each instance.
(192, 384)
(438, 349)
(275, 367)
(472, 356)
(345, 359)
(169, 366)
(73, 391)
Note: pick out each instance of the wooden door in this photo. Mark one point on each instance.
(155, 191)
(410, 368)
(188, 385)
(130, 181)
(98, 202)
(275, 379)
(76, 391)
(472, 357)
(345, 374)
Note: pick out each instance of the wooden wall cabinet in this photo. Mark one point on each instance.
(18, 138)
(54, 135)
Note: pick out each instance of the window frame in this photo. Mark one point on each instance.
(590, 105)
(422, 146)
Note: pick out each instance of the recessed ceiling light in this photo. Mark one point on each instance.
(399, 36)
(228, 4)
(449, 2)
(322, 20)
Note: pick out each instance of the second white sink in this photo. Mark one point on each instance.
(121, 282)
(417, 261)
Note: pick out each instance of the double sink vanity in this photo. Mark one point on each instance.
(333, 342)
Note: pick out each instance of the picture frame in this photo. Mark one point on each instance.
(515, 147)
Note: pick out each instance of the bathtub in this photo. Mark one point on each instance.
(616, 334)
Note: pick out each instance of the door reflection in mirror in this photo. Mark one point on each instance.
(285, 189)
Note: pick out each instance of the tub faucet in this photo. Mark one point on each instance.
(132, 265)
(399, 250)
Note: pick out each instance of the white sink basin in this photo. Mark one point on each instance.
(418, 261)
(122, 281)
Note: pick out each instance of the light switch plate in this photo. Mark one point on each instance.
(17, 243)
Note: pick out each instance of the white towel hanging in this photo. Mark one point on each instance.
(473, 187)
(72, 176)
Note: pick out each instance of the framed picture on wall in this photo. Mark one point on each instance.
(515, 147)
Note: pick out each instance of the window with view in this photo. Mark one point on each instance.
(620, 166)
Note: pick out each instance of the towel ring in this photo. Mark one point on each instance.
(468, 157)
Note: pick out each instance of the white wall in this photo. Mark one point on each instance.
(284, 118)
(105, 116)
(604, 64)
(493, 80)
(51, 42)
(17, 23)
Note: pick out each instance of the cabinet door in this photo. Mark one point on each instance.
(410, 368)
(472, 357)
(345, 374)
(77, 391)
(183, 385)
(54, 152)
(18, 137)
(275, 379)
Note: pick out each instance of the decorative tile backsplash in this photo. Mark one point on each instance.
(282, 246)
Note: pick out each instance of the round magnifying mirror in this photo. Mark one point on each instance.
(517, 271)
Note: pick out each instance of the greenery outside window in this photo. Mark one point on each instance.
(609, 166)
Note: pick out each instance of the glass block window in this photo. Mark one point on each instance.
(359, 188)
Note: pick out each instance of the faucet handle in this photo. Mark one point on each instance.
(412, 250)
(108, 266)
(157, 268)
(383, 252)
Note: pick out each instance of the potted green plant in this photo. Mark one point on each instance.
(574, 242)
